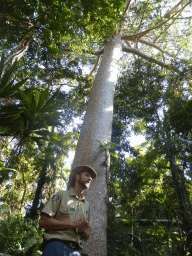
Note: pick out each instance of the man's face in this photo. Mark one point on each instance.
(84, 178)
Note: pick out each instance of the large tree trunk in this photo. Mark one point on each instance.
(97, 126)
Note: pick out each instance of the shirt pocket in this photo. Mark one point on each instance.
(66, 213)
(63, 213)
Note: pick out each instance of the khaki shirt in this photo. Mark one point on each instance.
(65, 205)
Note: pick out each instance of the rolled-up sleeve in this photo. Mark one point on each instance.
(52, 206)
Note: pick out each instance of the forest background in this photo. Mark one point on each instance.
(50, 54)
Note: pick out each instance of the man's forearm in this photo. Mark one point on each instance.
(53, 224)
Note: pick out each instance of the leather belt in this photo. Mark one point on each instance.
(71, 244)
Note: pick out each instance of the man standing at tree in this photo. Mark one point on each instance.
(66, 217)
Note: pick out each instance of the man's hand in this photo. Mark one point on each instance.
(85, 235)
(81, 224)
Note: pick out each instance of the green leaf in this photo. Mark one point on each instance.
(7, 75)
(4, 169)
(36, 96)
(43, 97)
(43, 133)
(46, 106)
(24, 96)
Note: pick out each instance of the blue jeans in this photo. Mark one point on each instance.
(57, 248)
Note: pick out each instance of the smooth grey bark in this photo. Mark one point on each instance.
(97, 126)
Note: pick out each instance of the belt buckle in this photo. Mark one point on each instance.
(72, 245)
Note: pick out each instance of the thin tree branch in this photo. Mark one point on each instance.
(128, 44)
(154, 46)
(143, 33)
(22, 24)
(95, 66)
(144, 56)
(136, 41)
(173, 21)
(140, 22)
(98, 53)
(127, 6)
(123, 16)
(170, 11)
(24, 192)
(184, 18)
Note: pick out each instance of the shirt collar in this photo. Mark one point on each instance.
(72, 193)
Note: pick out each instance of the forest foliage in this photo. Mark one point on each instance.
(43, 93)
